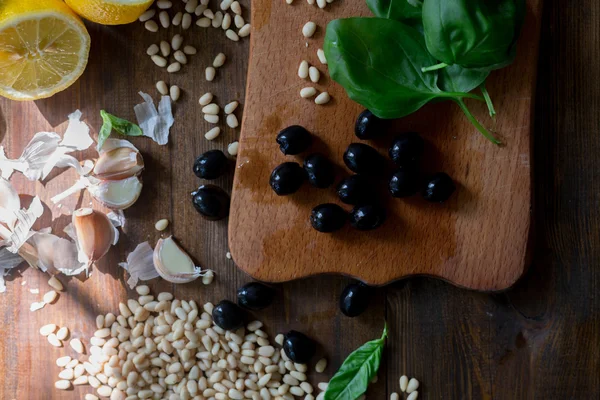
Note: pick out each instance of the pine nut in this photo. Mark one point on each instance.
(90, 396)
(176, 21)
(164, 4)
(66, 374)
(47, 329)
(226, 22)
(189, 50)
(207, 279)
(232, 121)
(161, 225)
(289, 1)
(203, 22)
(104, 391)
(231, 35)
(309, 29)
(180, 57)
(208, 13)
(205, 99)
(50, 297)
(219, 60)
(53, 340)
(159, 61)
(212, 119)
(403, 383)
(314, 74)
(238, 20)
(210, 73)
(236, 7)
(232, 149)
(413, 396)
(323, 98)
(321, 3)
(165, 48)
(308, 92)
(153, 50)
(191, 5)
(226, 4)
(63, 361)
(163, 89)
(62, 333)
(186, 21)
(244, 30)
(307, 387)
(175, 67)
(81, 380)
(218, 20)
(55, 284)
(151, 26)
(212, 109)
(147, 15)
(62, 385)
(231, 107)
(413, 385)
(321, 56)
(164, 19)
(303, 69)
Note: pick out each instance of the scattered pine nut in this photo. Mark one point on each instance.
(104, 391)
(232, 149)
(232, 121)
(212, 119)
(147, 15)
(191, 6)
(143, 290)
(321, 55)
(403, 383)
(205, 99)
(207, 279)
(321, 365)
(153, 49)
(303, 69)
(211, 109)
(208, 13)
(189, 50)
(90, 396)
(200, 9)
(218, 20)
(314, 74)
(236, 7)
(210, 73)
(225, 4)
(165, 48)
(55, 284)
(308, 92)
(62, 333)
(164, 4)
(67, 374)
(159, 61)
(321, 3)
(176, 41)
(289, 1)
(175, 67)
(219, 60)
(164, 19)
(394, 396)
(413, 396)
(177, 19)
(63, 361)
(226, 22)
(62, 385)
(309, 29)
(53, 340)
(100, 321)
(212, 135)
(161, 226)
(413, 385)
(323, 98)
(311, 2)
(231, 35)
(186, 21)
(151, 26)
(180, 57)
(239, 21)
(203, 22)
(231, 107)
(175, 92)
(47, 329)
(244, 30)
(80, 380)
(162, 88)
(50, 297)
(77, 345)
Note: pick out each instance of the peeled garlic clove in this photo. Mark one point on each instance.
(172, 263)
(95, 233)
(119, 163)
(117, 195)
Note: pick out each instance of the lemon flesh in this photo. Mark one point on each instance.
(44, 48)
(110, 12)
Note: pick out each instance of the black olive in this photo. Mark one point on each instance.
(368, 126)
(294, 140)
(255, 296)
(320, 170)
(367, 217)
(299, 347)
(355, 299)
(356, 189)
(211, 201)
(407, 149)
(287, 178)
(364, 159)
(404, 182)
(439, 188)
(328, 217)
(211, 165)
(228, 315)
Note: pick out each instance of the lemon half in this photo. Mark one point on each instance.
(44, 48)
(110, 12)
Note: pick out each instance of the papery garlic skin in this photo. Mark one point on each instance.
(119, 163)
(118, 195)
(95, 233)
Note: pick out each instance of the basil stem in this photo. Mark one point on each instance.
(488, 100)
(476, 123)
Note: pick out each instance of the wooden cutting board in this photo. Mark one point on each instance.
(478, 239)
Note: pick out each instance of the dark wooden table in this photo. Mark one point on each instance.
(538, 340)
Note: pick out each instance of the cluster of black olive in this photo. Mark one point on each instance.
(211, 201)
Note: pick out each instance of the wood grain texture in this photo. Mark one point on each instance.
(477, 240)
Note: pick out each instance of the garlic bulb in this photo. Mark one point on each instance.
(119, 163)
(117, 195)
(95, 233)
(172, 263)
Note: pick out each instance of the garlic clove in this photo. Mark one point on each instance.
(119, 163)
(172, 263)
(117, 195)
(95, 233)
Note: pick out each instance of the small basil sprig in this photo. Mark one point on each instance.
(122, 126)
(357, 371)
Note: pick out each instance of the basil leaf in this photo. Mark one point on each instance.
(121, 125)
(378, 61)
(399, 10)
(105, 130)
(473, 34)
(357, 371)
(455, 78)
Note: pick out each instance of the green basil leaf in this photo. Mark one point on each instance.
(357, 371)
(122, 126)
(105, 130)
(399, 10)
(455, 78)
(378, 61)
(473, 34)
